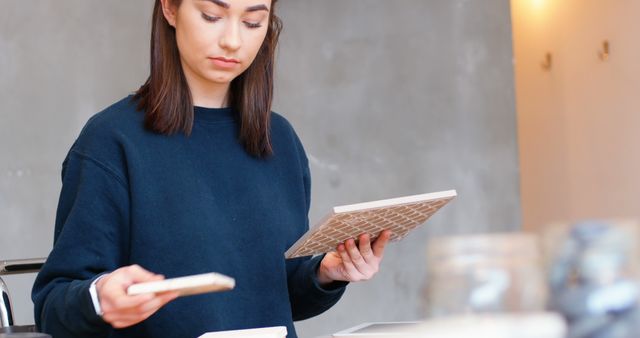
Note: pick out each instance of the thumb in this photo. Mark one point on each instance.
(137, 274)
(380, 243)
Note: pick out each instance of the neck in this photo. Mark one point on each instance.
(210, 96)
(205, 93)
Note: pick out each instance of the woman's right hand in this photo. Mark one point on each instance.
(121, 310)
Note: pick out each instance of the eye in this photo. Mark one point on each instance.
(210, 18)
(253, 25)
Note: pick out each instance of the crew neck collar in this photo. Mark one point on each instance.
(213, 114)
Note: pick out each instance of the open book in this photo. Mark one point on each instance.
(400, 215)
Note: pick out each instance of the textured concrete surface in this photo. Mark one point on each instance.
(389, 97)
(402, 97)
(60, 63)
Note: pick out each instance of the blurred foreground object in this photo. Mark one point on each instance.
(490, 285)
(530, 325)
(593, 277)
(493, 273)
(265, 332)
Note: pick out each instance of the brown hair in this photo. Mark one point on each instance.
(166, 99)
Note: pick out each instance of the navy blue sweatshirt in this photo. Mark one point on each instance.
(181, 205)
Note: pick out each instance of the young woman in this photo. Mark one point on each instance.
(192, 174)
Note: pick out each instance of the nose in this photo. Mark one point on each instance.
(231, 39)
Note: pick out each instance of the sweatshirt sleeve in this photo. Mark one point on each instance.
(91, 236)
(308, 298)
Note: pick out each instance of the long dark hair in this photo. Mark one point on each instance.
(166, 99)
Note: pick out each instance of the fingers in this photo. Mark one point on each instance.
(362, 261)
(366, 269)
(120, 303)
(355, 262)
(364, 244)
(137, 274)
(113, 287)
(356, 257)
(154, 303)
(350, 271)
(120, 309)
(141, 312)
(380, 243)
(124, 310)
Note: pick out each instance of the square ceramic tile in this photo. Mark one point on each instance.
(400, 215)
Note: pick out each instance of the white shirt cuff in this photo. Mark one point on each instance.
(93, 291)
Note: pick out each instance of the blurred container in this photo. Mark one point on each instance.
(529, 325)
(265, 332)
(593, 277)
(493, 273)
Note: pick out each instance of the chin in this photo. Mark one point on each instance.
(220, 78)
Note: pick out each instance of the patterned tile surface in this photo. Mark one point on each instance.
(397, 215)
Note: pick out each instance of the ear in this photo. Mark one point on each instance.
(169, 11)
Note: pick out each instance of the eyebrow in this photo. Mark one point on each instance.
(255, 8)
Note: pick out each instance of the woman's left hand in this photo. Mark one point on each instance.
(351, 262)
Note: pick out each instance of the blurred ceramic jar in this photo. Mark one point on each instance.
(493, 273)
(593, 277)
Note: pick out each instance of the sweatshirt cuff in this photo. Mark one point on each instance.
(86, 303)
(333, 288)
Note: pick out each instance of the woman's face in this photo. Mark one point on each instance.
(218, 39)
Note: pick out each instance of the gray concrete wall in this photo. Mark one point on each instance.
(61, 61)
(389, 97)
(402, 97)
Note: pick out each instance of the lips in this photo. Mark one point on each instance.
(222, 62)
(223, 59)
